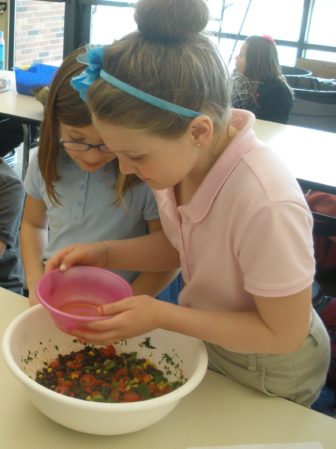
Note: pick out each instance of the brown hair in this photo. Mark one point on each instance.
(167, 57)
(64, 105)
(262, 63)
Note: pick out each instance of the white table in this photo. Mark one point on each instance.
(309, 153)
(24, 108)
(218, 412)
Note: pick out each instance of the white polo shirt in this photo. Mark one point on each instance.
(247, 230)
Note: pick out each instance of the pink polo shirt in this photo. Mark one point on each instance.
(247, 230)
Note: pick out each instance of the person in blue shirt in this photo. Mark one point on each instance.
(75, 192)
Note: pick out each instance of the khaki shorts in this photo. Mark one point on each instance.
(297, 376)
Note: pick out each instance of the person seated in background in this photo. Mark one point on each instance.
(257, 82)
(242, 93)
(11, 206)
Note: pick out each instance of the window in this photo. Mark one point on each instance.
(248, 17)
(227, 20)
(109, 24)
(322, 30)
(301, 28)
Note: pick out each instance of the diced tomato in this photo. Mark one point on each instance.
(54, 364)
(79, 357)
(146, 378)
(62, 389)
(121, 373)
(59, 373)
(130, 396)
(108, 351)
(88, 389)
(88, 379)
(76, 363)
(64, 383)
(153, 389)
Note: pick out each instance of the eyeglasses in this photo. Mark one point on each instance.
(73, 145)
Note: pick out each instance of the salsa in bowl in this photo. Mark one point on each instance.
(32, 341)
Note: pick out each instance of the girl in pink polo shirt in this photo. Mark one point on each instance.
(230, 210)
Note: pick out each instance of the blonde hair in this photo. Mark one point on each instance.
(167, 57)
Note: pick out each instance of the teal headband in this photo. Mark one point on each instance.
(94, 60)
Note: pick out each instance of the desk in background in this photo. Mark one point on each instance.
(309, 153)
(218, 412)
(24, 108)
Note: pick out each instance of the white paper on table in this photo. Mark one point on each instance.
(308, 445)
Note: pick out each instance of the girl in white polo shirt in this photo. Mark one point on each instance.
(232, 211)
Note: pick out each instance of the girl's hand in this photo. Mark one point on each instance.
(32, 298)
(94, 254)
(128, 318)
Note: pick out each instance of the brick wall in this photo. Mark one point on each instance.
(38, 32)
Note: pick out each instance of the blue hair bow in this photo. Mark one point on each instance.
(93, 58)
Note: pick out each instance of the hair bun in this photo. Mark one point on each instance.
(171, 20)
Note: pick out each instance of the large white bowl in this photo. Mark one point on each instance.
(33, 338)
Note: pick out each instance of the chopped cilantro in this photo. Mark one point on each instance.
(147, 343)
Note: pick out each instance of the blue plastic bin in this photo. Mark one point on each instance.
(37, 75)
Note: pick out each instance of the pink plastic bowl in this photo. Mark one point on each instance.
(72, 297)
